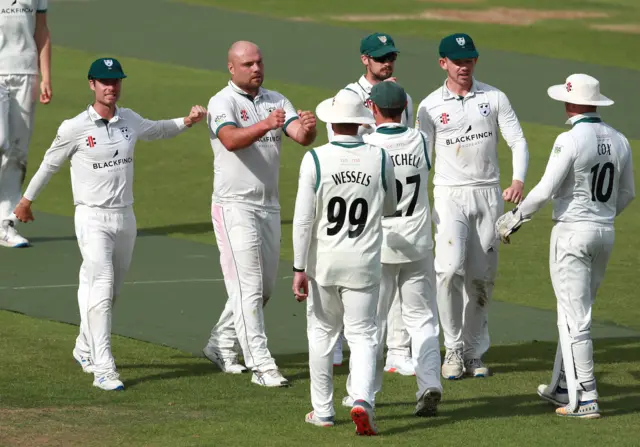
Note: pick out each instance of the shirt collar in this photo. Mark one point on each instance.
(365, 84)
(95, 116)
(241, 92)
(391, 128)
(448, 94)
(347, 138)
(575, 118)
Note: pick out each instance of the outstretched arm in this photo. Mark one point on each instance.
(155, 130)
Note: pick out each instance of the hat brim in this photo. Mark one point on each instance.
(109, 76)
(466, 54)
(559, 93)
(324, 114)
(383, 51)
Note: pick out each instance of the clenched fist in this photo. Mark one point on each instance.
(196, 114)
(307, 120)
(275, 119)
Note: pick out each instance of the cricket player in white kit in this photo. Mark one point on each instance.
(462, 119)
(247, 124)
(378, 54)
(345, 188)
(407, 256)
(589, 179)
(25, 53)
(99, 143)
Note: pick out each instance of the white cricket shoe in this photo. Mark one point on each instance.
(559, 397)
(109, 382)
(270, 378)
(586, 410)
(84, 361)
(475, 368)
(362, 415)
(226, 364)
(337, 353)
(400, 365)
(9, 236)
(453, 365)
(428, 403)
(320, 421)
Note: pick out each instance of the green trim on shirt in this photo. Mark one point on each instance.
(40, 11)
(391, 130)
(317, 163)
(589, 119)
(426, 157)
(384, 176)
(226, 123)
(347, 145)
(351, 90)
(284, 128)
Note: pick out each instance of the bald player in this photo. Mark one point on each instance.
(378, 54)
(247, 123)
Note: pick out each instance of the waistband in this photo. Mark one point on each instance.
(102, 210)
(584, 225)
(483, 187)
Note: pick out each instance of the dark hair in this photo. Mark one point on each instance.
(391, 113)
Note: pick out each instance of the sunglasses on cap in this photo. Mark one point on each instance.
(389, 57)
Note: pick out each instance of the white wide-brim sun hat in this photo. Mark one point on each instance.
(345, 107)
(579, 89)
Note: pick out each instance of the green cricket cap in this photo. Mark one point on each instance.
(388, 95)
(106, 68)
(377, 45)
(458, 46)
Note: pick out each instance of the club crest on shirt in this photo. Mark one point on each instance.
(484, 108)
(125, 133)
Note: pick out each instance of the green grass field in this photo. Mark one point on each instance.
(174, 398)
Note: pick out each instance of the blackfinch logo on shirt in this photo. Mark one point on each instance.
(17, 10)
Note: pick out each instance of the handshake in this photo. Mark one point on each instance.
(509, 223)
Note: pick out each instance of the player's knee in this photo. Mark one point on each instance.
(449, 274)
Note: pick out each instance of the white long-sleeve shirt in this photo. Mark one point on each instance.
(101, 155)
(464, 132)
(363, 89)
(589, 175)
(18, 49)
(344, 189)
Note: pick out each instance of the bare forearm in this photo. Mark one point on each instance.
(237, 138)
(43, 43)
(305, 138)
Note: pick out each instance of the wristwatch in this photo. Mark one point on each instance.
(298, 270)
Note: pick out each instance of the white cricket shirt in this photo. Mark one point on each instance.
(345, 187)
(464, 132)
(407, 234)
(247, 176)
(101, 155)
(589, 175)
(18, 51)
(363, 89)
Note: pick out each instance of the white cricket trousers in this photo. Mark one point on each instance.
(18, 94)
(330, 310)
(249, 245)
(466, 262)
(578, 258)
(398, 339)
(106, 238)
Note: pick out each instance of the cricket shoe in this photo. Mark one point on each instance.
(428, 403)
(453, 365)
(400, 365)
(558, 397)
(109, 382)
(9, 236)
(84, 361)
(362, 416)
(475, 368)
(226, 364)
(337, 353)
(588, 409)
(320, 421)
(270, 378)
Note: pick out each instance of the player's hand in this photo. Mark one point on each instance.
(391, 79)
(275, 119)
(197, 114)
(45, 92)
(514, 192)
(23, 211)
(509, 223)
(300, 286)
(307, 120)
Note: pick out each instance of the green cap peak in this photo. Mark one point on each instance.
(106, 68)
(377, 45)
(458, 46)
(388, 95)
